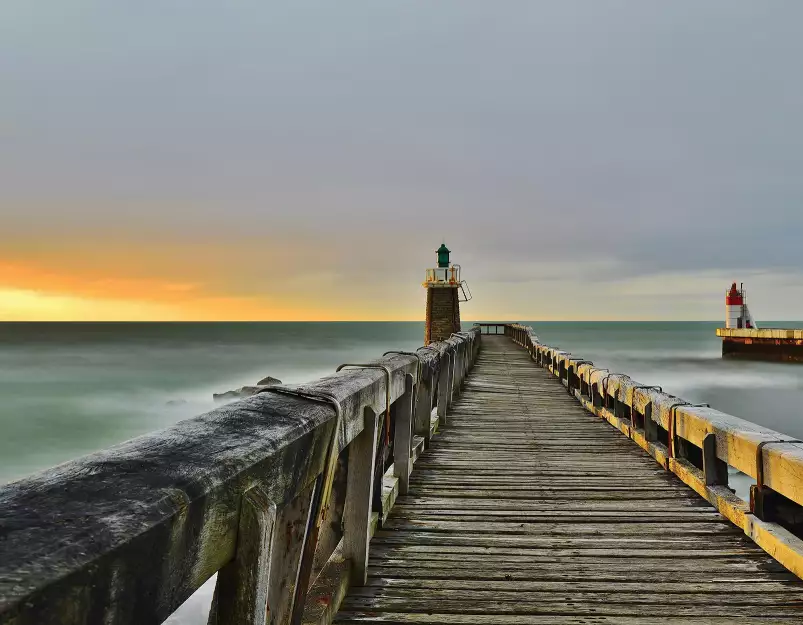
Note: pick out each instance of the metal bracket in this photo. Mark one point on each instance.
(590, 373)
(652, 388)
(583, 362)
(604, 384)
(673, 415)
(327, 398)
(568, 377)
(670, 438)
(387, 389)
(634, 389)
(417, 357)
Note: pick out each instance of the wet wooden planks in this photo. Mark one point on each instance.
(528, 510)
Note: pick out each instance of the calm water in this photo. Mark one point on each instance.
(69, 389)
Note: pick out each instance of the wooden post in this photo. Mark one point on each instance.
(257, 587)
(289, 538)
(357, 510)
(453, 372)
(714, 469)
(459, 356)
(241, 594)
(423, 407)
(403, 439)
(650, 426)
(444, 383)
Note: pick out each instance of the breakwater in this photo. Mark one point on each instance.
(773, 344)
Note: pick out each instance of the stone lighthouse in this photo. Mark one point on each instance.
(444, 288)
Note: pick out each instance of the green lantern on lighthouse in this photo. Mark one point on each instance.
(443, 256)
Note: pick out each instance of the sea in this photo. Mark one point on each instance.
(68, 389)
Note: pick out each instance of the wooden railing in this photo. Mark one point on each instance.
(278, 494)
(491, 328)
(696, 443)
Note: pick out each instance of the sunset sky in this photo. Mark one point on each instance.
(198, 160)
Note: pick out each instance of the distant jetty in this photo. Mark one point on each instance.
(742, 338)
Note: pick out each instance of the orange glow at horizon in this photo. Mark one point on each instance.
(34, 293)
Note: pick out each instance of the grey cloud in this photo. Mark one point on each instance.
(654, 136)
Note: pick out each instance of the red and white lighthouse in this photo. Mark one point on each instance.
(737, 315)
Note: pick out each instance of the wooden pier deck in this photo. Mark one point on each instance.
(529, 509)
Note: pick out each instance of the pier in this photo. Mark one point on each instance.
(773, 344)
(486, 478)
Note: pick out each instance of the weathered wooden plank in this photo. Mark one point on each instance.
(547, 493)
(539, 607)
(711, 570)
(646, 503)
(525, 541)
(446, 553)
(660, 517)
(638, 598)
(659, 589)
(614, 528)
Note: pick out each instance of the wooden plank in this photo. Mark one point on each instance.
(446, 553)
(612, 607)
(506, 592)
(658, 588)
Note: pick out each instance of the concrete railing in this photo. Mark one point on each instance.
(696, 443)
(278, 493)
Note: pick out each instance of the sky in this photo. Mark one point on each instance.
(595, 159)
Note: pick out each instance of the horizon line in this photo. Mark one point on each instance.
(472, 321)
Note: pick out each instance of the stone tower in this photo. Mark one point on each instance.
(443, 302)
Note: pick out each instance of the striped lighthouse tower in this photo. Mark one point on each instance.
(737, 315)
